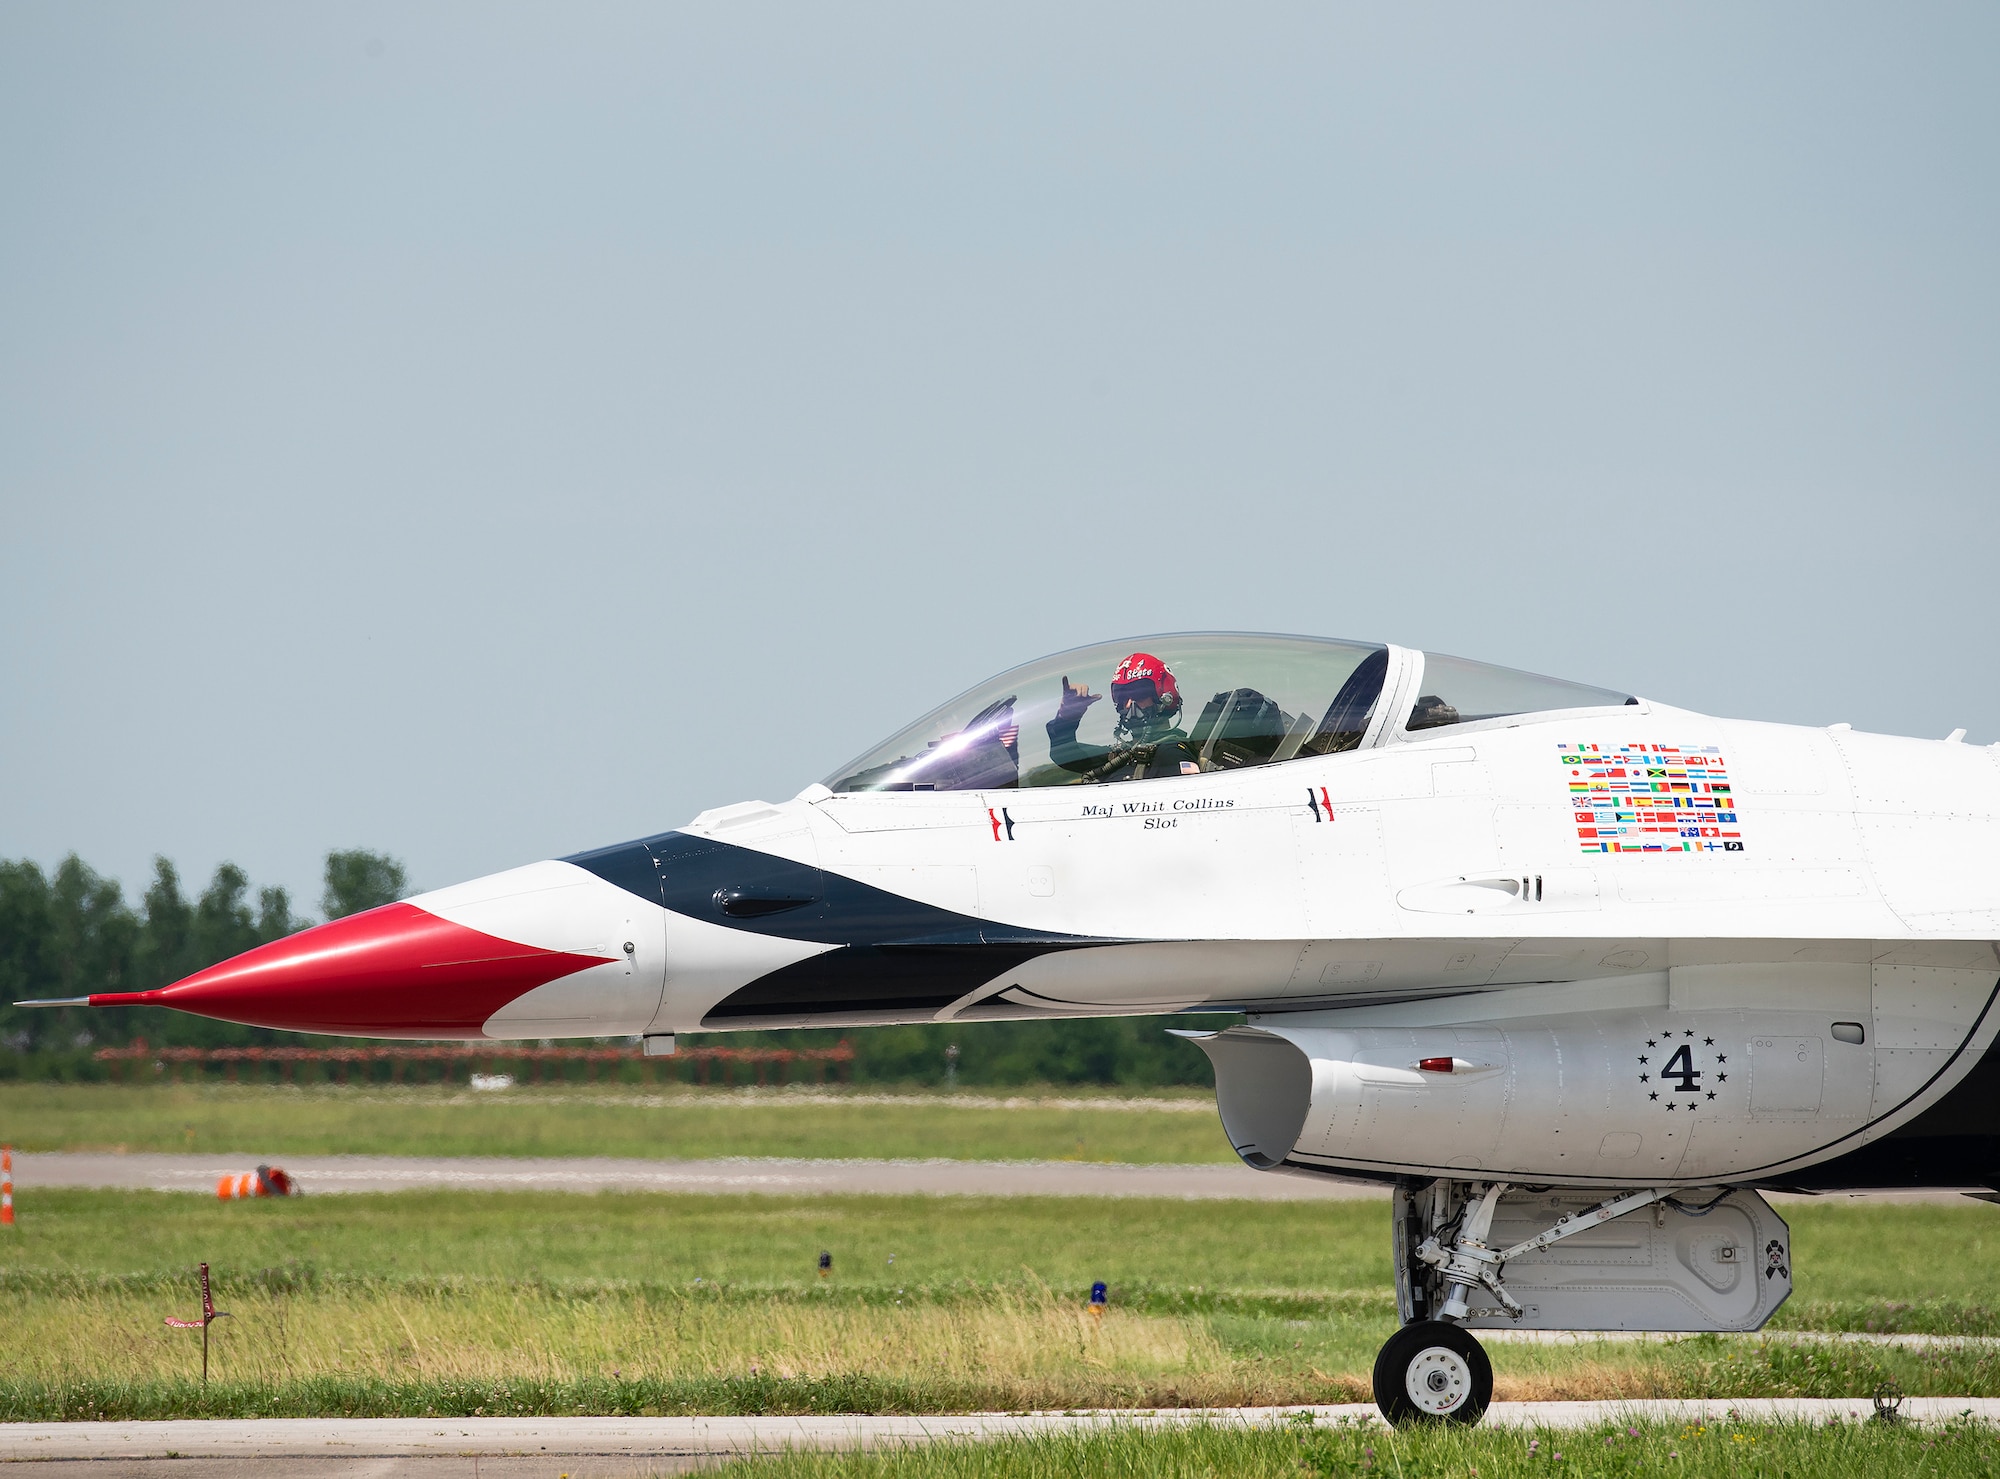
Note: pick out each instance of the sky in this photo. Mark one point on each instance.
(479, 432)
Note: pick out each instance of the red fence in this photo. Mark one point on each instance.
(421, 1063)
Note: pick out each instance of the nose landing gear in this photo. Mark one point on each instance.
(1434, 1370)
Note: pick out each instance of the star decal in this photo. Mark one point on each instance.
(1645, 1078)
(1711, 1093)
(1656, 1094)
(1651, 1043)
(1722, 1057)
(1671, 1107)
(1642, 1057)
(1722, 1078)
(1708, 1042)
(1688, 1032)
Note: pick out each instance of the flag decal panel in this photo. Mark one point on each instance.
(1651, 799)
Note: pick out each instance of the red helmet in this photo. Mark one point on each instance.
(1143, 675)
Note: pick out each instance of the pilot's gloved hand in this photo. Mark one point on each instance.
(1075, 701)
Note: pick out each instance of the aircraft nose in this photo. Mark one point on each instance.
(396, 971)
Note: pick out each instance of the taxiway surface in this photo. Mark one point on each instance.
(344, 1173)
(600, 1447)
(769, 1176)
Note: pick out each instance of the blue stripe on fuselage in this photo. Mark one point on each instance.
(690, 875)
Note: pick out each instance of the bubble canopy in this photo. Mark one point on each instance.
(1192, 703)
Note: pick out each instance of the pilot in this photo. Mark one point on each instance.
(1145, 743)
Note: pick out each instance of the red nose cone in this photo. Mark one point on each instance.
(396, 971)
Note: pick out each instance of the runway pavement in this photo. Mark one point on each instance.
(771, 1176)
(348, 1173)
(588, 1447)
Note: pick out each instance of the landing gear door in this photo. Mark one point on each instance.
(1720, 1265)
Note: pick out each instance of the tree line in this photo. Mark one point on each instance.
(73, 932)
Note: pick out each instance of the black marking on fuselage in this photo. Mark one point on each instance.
(694, 876)
(885, 983)
(630, 865)
(900, 955)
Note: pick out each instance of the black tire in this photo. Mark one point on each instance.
(1433, 1371)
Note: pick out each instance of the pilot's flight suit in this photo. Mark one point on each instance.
(1168, 754)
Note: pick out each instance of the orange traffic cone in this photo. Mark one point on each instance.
(265, 1181)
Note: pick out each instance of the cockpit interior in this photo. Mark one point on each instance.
(1193, 703)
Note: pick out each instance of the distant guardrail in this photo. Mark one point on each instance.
(440, 1062)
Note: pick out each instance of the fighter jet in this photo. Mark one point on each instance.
(1575, 973)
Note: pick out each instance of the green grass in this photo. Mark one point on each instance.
(1301, 1451)
(671, 1123)
(1293, 1248)
(1917, 1268)
(524, 1302)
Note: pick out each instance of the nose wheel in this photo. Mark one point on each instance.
(1433, 1371)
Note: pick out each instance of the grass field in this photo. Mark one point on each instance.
(671, 1123)
(1300, 1451)
(454, 1302)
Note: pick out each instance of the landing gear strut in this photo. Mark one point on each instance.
(1433, 1369)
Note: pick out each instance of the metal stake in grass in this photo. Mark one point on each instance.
(209, 1315)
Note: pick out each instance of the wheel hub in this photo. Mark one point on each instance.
(1438, 1380)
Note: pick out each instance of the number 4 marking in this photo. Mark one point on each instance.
(1681, 1066)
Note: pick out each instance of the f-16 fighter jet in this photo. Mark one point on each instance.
(1576, 974)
